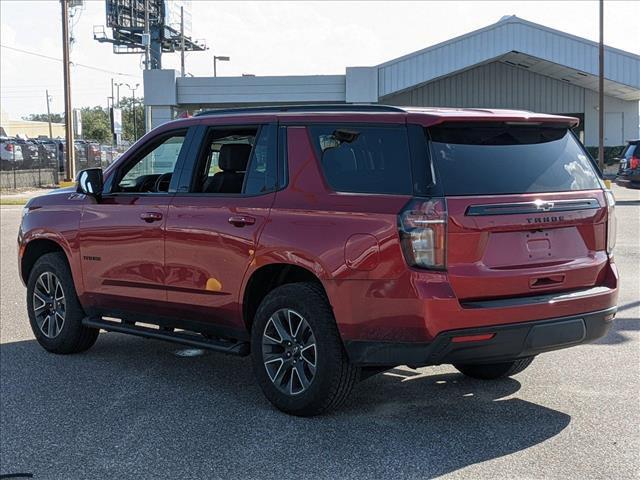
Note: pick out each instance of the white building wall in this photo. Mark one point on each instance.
(160, 115)
(260, 90)
(620, 124)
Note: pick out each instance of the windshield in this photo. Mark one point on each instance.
(506, 159)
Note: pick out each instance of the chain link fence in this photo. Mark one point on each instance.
(40, 163)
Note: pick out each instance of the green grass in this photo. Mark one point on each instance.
(13, 201)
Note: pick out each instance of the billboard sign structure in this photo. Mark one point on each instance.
(126, 18)
(172, 15)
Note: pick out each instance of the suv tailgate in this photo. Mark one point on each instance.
(508, 246)
(527, 212)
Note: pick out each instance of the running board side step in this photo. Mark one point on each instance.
(192, 339)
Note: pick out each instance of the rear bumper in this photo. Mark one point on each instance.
(509, 341)
(628, 180)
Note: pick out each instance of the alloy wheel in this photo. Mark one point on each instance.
(289, 351)
(49, 304)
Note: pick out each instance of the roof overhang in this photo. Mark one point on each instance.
(523, 44)
(569, 75)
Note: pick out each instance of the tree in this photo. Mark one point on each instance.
(96, 121)
(126, 104)
(43, 117)
(96, 124)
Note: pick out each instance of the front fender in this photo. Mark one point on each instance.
(54, 223)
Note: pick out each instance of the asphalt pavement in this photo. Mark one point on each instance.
(136, 408)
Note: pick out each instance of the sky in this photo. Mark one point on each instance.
(266, 38)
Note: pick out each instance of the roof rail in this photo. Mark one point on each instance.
(339, 107)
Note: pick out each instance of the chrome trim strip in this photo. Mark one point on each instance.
(549, 298)
(536, 206)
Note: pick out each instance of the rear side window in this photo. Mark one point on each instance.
(364, 159)
(509, 159)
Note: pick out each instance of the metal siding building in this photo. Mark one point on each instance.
(513, 64)
(496, 84)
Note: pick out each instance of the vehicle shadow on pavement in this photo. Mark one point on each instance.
(617, 333)
(130, 408)
(620, 325)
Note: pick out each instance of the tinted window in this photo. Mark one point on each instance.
(505, 159)
(364, 159)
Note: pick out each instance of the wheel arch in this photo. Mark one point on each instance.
(268, 277)
(35, 249)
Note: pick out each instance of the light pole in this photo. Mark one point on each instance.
(218, 59)
(118, 85)
(133, 108)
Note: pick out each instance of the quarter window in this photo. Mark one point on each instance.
(364, 159)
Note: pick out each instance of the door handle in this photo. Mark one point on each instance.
(546, 281)
(241, 220)
(151, 216)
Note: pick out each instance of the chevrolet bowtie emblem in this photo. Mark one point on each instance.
(544, 206)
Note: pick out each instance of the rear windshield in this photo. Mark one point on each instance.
(509, 159)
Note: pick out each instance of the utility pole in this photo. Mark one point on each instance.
(601, 91)
(182, 41)
(68, 113)
(147, 66)
(49, 115)
(147, 37)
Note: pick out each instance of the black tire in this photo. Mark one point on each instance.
(493, 371)
(334, 376)
(72, 336)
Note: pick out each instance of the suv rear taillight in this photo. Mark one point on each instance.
(9, 147)
(611, 221)
(634, 162)
(422, 225)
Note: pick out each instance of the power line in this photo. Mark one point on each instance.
(90, 67)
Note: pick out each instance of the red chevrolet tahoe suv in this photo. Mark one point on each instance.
(333, 242)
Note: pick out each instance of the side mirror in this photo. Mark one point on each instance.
(90, 182)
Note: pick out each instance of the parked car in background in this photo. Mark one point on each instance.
(48, 152)
(333, 242)
(81, 153)
(629, 169)
(88, 154)
(30, 158)
(10, 153)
